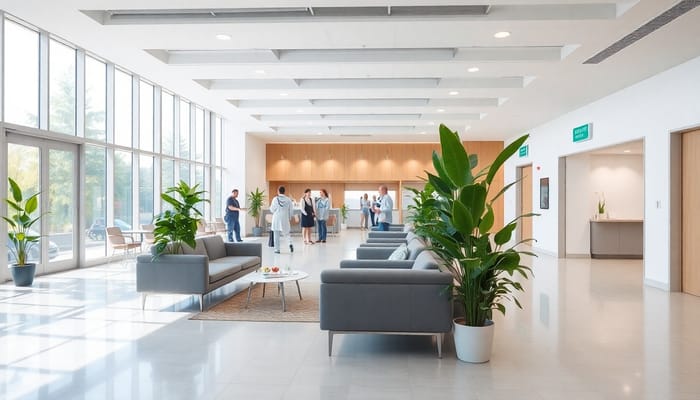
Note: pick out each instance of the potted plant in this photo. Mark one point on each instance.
(344, 216)
(255, 204)
(179, 225)
(462, 236)
(21, 238)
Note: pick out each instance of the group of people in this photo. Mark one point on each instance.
(380, 207)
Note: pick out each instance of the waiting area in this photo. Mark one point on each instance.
(588, 330)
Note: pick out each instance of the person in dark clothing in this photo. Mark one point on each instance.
(233, 209)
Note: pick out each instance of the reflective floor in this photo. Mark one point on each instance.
(588, 330)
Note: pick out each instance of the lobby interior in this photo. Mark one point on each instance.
(105, 104)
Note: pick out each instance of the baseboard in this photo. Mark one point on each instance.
(544, 252)
(578, 255)
(656, 284)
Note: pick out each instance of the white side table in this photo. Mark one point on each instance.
(279, 279)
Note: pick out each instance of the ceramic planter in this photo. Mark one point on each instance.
(257, 231)
(23, 275)
(473, 343)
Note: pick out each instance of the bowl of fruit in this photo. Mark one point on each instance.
(273, 270)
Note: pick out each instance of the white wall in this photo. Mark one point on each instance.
(255, 166)
(620, 178)
(651, 110)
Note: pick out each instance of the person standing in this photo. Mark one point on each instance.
(364, 208)
(371, 210)
(282, 209)
(307, 216)
(233, 209)
(384, 209)
(323, 207)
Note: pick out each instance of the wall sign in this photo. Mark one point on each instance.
(582, 133)
(523, 150)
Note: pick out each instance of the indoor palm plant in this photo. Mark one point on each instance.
(178, 226)
(255, 204)
(343, 216)
(461, 234)
(21, 238)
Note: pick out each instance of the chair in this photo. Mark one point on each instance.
(148, 238)
(219, 226)
(117, 241)
(203, 229)
(332, 225)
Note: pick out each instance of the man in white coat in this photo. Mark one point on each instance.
(281, 208)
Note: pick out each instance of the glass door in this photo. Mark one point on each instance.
(51, 168)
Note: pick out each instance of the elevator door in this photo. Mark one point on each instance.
(690, 273)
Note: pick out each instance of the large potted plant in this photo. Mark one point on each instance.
(462, 236)
(21, 237)
(255, 204)
(178, 226)
(344, 216)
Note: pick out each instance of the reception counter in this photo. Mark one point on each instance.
(617, 238)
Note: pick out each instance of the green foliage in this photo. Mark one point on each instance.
(454, 211)
(19, 222)
(344, 212)
(178, 225)
(255, 204)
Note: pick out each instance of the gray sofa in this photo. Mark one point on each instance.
(401, 297)
(382, 253)
(210, 265)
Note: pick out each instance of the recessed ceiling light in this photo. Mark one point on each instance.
(260, 71)
(453, 93)
(473, 69)
(284, 94)
(422, 133)
(501, 35)
(299, 110)
(627, 151)
(440, 110)
(431, 123)
(223, 36)
(319, 133)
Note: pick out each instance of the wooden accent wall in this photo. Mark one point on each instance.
(332, 165)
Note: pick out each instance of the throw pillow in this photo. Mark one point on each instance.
(401, 253)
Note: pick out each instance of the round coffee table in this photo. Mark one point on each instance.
(279, 279)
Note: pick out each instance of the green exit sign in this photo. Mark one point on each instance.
(523, 150)
(582, 133)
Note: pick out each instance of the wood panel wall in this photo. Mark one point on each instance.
(332, 165)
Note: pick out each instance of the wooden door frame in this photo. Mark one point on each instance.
(519, 198)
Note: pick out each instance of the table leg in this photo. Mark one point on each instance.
(298, 289)
(284, 303)
(248, 299)
(263, 289)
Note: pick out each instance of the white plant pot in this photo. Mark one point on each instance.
(473, 343)
(343, 226)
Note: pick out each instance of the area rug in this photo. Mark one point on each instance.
(268, 308)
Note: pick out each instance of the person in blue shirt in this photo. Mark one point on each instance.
(233, 209)
(384, 208)
(323, 206)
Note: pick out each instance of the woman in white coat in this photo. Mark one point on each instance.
(281, 208)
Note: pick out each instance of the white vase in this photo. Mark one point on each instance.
(473, 343)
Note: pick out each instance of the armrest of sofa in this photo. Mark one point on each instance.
(172, 273)
(383, 244)
(387, 235)
(387, 240)
(371, 264)
(243, 249)
(386, 276)
(374, 253)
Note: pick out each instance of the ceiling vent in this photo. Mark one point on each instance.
(644, 30)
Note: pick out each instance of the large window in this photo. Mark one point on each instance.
(21, 75)
(122, 108)
(123, 189)
(167, 124)
(95, 98)
(199, 134)
(61, 88)
(146, 116)
(167, 178)
(95, 201)
(185, 172)
(217, 195)
(184, 129)
(217, 142)
(145, 189)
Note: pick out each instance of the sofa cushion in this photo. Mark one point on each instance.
(415, 247)
(215, 246)
(426, 260)
(220, 270)
(198, 250)
(245, 262)
(399, 254)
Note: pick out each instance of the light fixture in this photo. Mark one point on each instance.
(260, 71)
(473, 69)
(284, 94)
(453, 93)
(431, 123)
(299, 110)
(627, 151)
(440, 110)
(501, 35)
(223, 36)
(422, 133)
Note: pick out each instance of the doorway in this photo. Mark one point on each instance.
(690, 216)
(49, 167)
(524, 202)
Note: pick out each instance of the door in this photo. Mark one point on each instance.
(49, 167)
(526, 202)
(690, 187)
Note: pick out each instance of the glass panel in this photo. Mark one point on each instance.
(94, 202)
(122, 108)
(167, 176)
(184, 129)
(199, 176)
(167, 107)
(146, 117)
(61, 88)
(123, 190)
(95, 98)
(185, 172)
(23, 165)
(199, 134)
(61, 214)
(217, 141)
(218, 205)
(145, 190)
(21, 75)
(352, 197)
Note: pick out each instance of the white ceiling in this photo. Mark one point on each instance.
(379, 78)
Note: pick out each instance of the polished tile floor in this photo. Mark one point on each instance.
(588, 330)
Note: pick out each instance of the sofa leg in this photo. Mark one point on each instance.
(439, 338)
(143, 301)
(201, 302)
(330, 343)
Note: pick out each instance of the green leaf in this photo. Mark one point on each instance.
(503, 236)
(441, 186)
(454, 157)
(32, 204)
(487, 221)
(503, 156)
(473, 197)
(462, 218)
(15, 189)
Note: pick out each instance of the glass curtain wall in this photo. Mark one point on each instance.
(95, 201)
(95, 99)
(61, 88)
(21, 78)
